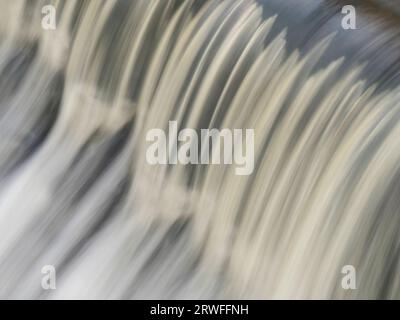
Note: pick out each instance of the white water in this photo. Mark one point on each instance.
(76, 191)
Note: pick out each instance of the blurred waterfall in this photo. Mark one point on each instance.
(77, 193)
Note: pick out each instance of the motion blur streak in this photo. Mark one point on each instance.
(76, 191)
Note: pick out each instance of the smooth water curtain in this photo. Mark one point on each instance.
(79, 195)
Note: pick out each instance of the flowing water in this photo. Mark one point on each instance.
(76, 191)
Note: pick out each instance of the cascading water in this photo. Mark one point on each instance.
(76, 191)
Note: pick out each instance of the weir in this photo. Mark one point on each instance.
(76, 190)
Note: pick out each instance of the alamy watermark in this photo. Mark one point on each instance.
(349, 280)
(49, 278)
(49, 18)
(349, 20)
(185, 147)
